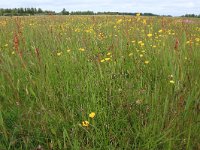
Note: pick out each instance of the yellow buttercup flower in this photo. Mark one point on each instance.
(146, 62)
(109, 54)
(154, 46)
(142, 44)
(107, 59)
(102, 60)
(119, 21)
(81, 49)
(60, 53)
(92, 115)
(138, 14)
(172, 81)
(149, 35)
(85, 123)
(131, 54)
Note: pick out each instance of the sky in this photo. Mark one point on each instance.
(161, 7)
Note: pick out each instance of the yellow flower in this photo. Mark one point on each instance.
(85, 123)
(131, 54)
(81, 49)
(143, 51)
(146, 62)
(107, 59)
(119, 21)
(197, 39)
(58, 54)
(154, 46)
(149, 35)
(171, 81)
(68, 50)
(102, 60)
(189, 42)
(138, 14)
(92, 115)
(109, 54)
(13, 52)
(141, 55)
(144, 21)
(160, 31)
(6, 45)
(142, 44)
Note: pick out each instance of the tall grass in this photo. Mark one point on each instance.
(140, 75)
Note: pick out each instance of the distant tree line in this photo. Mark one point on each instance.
(24, 11)
(39, 11)
(192, 15)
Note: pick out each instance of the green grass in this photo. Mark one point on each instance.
(48, 86)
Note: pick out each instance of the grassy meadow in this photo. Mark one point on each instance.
(99, 82)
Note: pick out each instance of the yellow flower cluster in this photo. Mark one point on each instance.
(86, 123)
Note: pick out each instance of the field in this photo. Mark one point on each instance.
(99, 82)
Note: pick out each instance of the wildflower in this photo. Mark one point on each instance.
(68, 50)
(187, 42)
(92, 115)
(60, 53)
(6, 45)
(138, 14)
(81, 49)
(146, 62)
(149, 35)
(102, 60)
(144, 22)
(143, 51)
(85, 123)
(131, 54)
(141, 55)
(172, 81)
(109, 54)
(140, 42)
(119, 21)
(154, 46)
(160, 31)
(107, 59)
(13, 52)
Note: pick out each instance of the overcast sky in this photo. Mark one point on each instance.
(162, 7)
